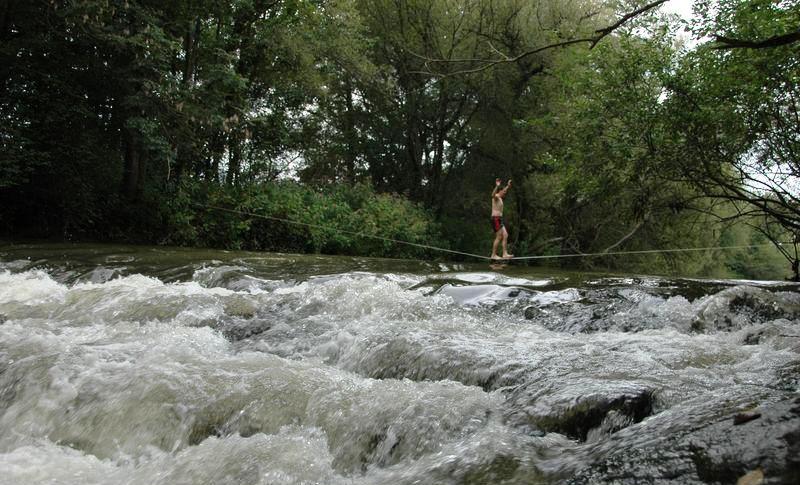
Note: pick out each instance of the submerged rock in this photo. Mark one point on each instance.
(237, 329)
(581, 412)
(744, 417)
(707, 451)
(740, 306)
(789, 376)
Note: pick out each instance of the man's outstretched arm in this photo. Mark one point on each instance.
(502, 192)
(496, 188)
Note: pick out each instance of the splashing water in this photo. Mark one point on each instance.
(142, 366)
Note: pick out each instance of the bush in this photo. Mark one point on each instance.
(289, 217)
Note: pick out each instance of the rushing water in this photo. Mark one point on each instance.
(152, 365)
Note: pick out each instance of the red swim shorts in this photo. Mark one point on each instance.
(497, 223)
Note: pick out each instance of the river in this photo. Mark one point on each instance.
(141, 365)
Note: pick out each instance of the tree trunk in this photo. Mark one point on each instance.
(414, 149)
(234, 160)
(189, 47)
(133, 170)
(217, 151)
(183, 151)
(350, 134)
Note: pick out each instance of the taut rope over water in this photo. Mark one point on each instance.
(478, 256)
(343, 231)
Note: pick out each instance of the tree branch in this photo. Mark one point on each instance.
(778, 40)
(593, 40)
(626, 237)
(611, 28)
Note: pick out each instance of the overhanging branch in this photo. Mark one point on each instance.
(485, 64)
(625, 18)
(776, 41)
(625, 237)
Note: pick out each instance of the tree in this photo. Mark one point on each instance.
(604, 130)
(735, 112)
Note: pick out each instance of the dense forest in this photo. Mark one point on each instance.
(623, 128)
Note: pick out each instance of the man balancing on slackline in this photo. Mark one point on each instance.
(497, 220)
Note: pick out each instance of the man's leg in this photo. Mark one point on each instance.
(505, 243)
(498, 236)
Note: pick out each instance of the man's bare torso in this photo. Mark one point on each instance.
(497, 206)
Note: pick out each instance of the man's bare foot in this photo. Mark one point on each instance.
(495, 257)
(508, 256)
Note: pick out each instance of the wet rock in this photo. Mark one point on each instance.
(702, 450)
(694, 289)
(239, 329)
(3, 319)
(755, 477)
(501, 468)
(404, 357)
(753, 338)
(583, 411)
(615, 310)
(777, 333)
(581, 315)
(745, 417)
(533, 312)
(102, 274)
(740, 306)
(789, 377)
(759, 306)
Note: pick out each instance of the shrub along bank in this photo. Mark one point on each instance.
(289, 217)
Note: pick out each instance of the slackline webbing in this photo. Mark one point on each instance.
(451, 251)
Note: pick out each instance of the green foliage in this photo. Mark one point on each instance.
(732, 113)
(119, 117)
(606, 192)
(289, 217)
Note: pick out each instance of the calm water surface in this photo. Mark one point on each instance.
(136, 365)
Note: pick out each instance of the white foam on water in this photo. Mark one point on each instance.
(477, 294)
(30, 288)
(120, 390)
(493, 278)
(46, 462)
(354, 378)
(139, 298)
(293, 455)
(560, 296)
(467, 460)
(14, 265)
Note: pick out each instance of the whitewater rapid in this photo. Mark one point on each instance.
(238, 371)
